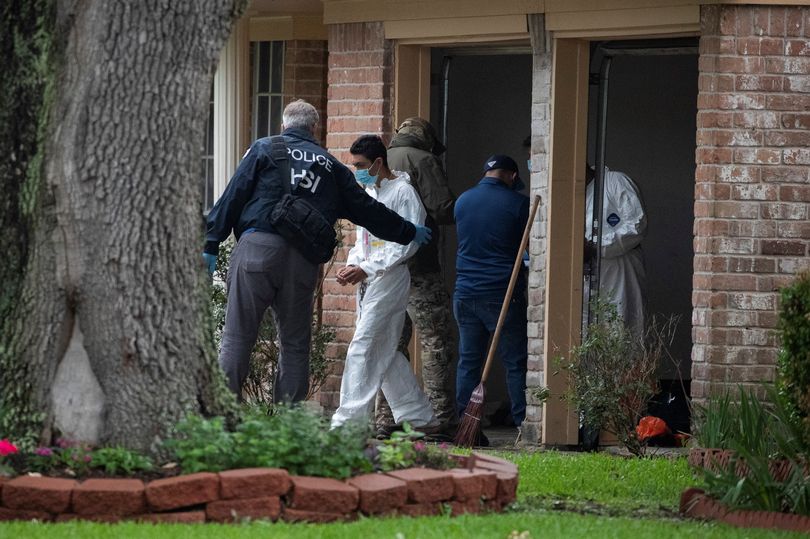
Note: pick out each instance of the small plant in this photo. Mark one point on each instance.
(398, 451)
(432, 456)
(726, 422)
(759, 489)
(794, 357)
(75, 456)
(344, 453)
(538, 394)
(612, 373)
(120, 461)
(716, 422)
(764, 437)
(320, 365)
(202, 444)
(6, 449)
(42, 460)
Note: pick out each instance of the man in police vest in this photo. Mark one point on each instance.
(268, 270)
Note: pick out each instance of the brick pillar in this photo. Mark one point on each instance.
(359, 103)
(752, 187)
(305, 75)
(541, 100)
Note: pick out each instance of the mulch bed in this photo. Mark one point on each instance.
(482, 483)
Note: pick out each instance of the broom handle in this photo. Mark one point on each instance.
(512, 280)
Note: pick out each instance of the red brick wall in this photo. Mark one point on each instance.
(752, 187)
(305, 75)
(359, 103)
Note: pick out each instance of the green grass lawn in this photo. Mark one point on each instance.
(602, 497)
(588, 479)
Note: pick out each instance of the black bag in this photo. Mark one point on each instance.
(296, 219)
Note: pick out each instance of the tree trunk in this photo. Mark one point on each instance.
(104, 332)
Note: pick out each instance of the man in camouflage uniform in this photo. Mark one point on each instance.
(416, 149)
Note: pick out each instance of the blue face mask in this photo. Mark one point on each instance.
(529, 164)
(364, 177)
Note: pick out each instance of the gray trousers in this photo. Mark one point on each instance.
(266, 271)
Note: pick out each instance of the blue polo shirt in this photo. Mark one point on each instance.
(490, 219)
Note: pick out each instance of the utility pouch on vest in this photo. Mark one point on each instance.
(297, 220)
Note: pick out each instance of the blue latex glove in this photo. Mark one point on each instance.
(423, 234)
(211, 262)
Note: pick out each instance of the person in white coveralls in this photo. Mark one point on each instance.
(622, 278)
(379, 270)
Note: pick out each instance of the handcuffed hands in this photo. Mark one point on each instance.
(350, 275)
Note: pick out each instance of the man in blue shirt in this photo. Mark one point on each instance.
(490, 219)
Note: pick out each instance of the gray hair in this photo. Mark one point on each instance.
(300, 115)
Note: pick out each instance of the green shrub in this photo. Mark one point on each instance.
(292, 438)
(300, 441)
(612, 372)
(202, 445)
(119, 460)
(794, 357)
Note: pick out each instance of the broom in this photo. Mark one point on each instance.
(467, 432)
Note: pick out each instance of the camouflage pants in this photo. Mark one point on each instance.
(429, 308)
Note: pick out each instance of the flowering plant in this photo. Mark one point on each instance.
(42, 460)
(75, 456)
(7, 448)
(433, 456)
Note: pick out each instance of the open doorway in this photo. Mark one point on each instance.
(650, 136)
(481, 104)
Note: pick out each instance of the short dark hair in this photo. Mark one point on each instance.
(371, 147)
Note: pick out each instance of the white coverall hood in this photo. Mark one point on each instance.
(622, 278)
(372, 360)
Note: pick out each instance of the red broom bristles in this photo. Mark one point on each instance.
(468, 431)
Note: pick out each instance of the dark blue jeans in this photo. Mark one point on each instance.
(476, 319)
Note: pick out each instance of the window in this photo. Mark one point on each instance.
(267, 59)
(208, 157)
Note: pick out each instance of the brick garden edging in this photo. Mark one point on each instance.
(484, 483)
(695, 503)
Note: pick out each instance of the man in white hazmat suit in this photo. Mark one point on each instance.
(379, 269)
(622, 278)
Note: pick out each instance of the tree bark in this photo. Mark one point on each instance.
(105, 325)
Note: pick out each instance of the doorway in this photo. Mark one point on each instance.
(480, 102)
(650, 136)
